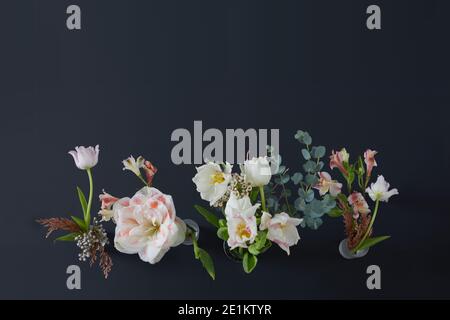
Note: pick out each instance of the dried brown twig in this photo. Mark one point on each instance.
(54, 224)
(355, 228)
(105, 262)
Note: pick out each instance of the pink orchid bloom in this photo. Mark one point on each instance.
(326, 184)
(150, 171)
(107, 200)
(337, 160)
(358, 204)
(369, 159)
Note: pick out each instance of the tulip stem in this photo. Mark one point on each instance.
(375, 211)
(263, 198)
(87, 219)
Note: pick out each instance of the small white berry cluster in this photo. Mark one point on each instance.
(238, 186)
(89, 242)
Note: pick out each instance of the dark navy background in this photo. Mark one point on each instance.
(140, 69)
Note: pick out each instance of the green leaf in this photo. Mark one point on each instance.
(260, 240)
(300, 204)
(360, 167)
(307, 139)
(318, 152)
(306, 154)
(309, 166)
(312, 223)
(208, 215)
(309, 195)
(253, 249)
(303, 137)
(319, 166)
(222, 233)
(299, 135)
(80, 223)
(297, 178)
(369, 242)
(266, 247)
(207, 262)
(335, 212)
(249, 262)
(311, 179)
(343, 200)
(83, 201)
(223, 223)
(68, 237)
(286, 193)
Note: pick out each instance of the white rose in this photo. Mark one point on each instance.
(257, 171)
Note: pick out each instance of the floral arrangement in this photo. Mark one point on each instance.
(88, 234)
(352, 206)
(146, 223)
(261, 205)
(254, 206)
(247, 227)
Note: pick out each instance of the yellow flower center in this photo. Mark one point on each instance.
(153, 229)
(242, 231)
(217, 178)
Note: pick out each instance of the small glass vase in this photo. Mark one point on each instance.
(230, 253)
(348, 254)
(191, 224)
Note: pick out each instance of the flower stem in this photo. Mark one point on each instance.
(190, 233)
(87, 218)
(142, 179)
(375, 211)
(263, 198)
(286, 199)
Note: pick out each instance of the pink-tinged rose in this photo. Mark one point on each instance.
(337, 160)
(147, 224)
(359, 204)
(85, 158)
(326, 184)
(150, 171)
(282, 229)
(369, 159)
(107, 200)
